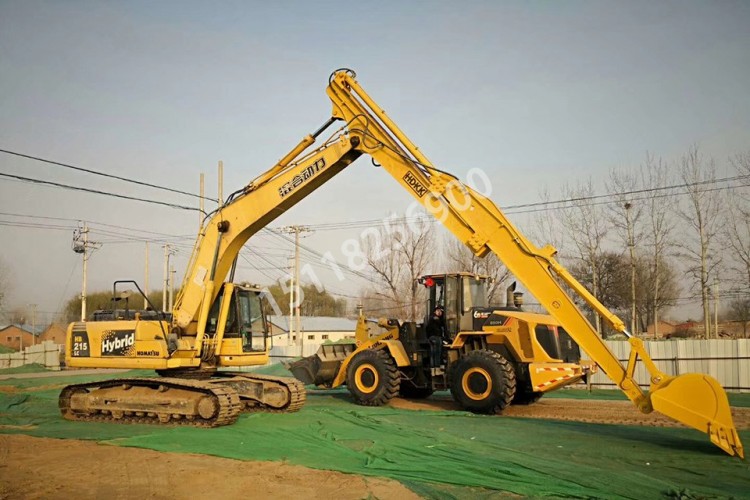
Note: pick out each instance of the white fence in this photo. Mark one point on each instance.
(728, 361)
(47, 354)
(282, 353)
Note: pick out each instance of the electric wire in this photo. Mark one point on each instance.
(104, 174)
(96, 191)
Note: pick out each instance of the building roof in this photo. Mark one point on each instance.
(36, 331)
(317, 323)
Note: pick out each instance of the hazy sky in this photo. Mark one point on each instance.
(534, 93)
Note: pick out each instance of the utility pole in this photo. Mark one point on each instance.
(83, 246)
(33, 324)
(202, 202)
(297, 296)
(145, 287)
(166, 278)
(631, 247)
(172, 273)
(291, 303)
(221, 184)
(168, 252)
(297, 302)
(716, 307)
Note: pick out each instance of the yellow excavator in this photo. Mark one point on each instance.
(189, 348)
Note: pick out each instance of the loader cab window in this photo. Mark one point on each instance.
(444, 292)
(452, 312)
(437, 297)
(475, 293)
(253, 326)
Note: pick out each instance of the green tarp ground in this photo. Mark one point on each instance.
(438, 454)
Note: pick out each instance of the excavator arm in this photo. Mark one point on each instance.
(247, 212)
(693, 399)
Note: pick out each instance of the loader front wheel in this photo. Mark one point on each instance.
(483, 382)
(372, 378)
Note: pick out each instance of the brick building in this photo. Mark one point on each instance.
(19, 336)
(54, 333)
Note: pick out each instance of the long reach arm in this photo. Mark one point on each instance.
(694, 399)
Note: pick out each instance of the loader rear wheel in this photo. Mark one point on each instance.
(372, 378)
(483, 382)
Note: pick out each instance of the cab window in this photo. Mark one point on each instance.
(253, 323)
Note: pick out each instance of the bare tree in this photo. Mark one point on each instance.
(460, 259)
(650, 277)
(587, 228)
(659, 226)
(547, 225)
(5, 283)
(626, 216)
(737, 228)
(702, 213)
(19, 315)
(615, 290)
(398, 255)
(739, 310)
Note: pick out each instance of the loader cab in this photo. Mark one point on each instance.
(239, 310)
(460, 294)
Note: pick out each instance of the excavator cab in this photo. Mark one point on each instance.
(245, 329)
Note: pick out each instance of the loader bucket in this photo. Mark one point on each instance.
(699, 401)
(323, 366)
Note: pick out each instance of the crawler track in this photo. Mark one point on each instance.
(204, 402)
(173, 401)
(297, 395)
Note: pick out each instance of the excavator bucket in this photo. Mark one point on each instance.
(699, 401)
(323, 366)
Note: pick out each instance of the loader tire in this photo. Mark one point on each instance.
(372, 378)
(483, 382)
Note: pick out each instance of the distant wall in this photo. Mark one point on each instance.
(728, 361)
(47, 354)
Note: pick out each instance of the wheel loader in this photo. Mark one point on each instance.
(492, 356)
(193, 349)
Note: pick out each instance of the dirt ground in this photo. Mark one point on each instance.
(53, 468)
(50, 468)
(605, 412)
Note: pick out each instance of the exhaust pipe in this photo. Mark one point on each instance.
(509, 294)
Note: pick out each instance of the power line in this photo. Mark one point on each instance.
(103, 174)
(635, 191)
(543, 205)
(318, 254)
(95, 191)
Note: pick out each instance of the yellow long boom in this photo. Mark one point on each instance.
(694, 399)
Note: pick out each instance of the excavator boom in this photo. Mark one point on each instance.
(695, 400)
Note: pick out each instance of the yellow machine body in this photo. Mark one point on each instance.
(696, 400)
